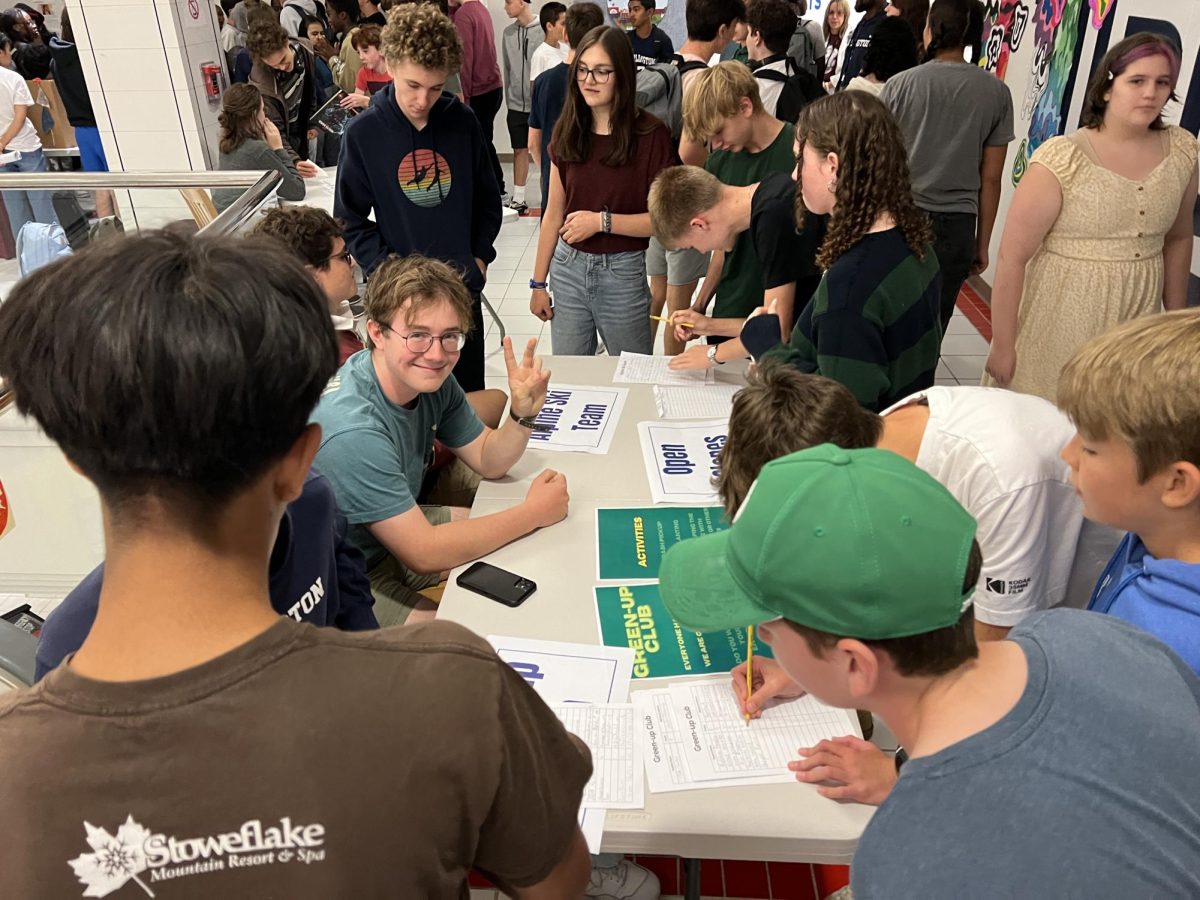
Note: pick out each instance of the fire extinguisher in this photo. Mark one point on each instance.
(210, 74)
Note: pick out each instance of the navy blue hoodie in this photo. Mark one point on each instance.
(316, 576)
(433, 191)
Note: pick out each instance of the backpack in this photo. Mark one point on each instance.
(320, 14)
(803, 52)
(39, 244)
(660, 91)
(799, 89)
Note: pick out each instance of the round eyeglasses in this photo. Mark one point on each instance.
(421, 341)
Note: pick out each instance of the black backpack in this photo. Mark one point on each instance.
(799, 89)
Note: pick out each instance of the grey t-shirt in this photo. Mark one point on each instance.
(1088, 788)
(949, 112)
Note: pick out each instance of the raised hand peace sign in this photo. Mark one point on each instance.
(527, 382)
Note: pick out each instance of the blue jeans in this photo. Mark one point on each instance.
(599, 292)
(28, 206)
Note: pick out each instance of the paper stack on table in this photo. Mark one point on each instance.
(638, 368)
(708, 402)
(695, 737)
(587, 686)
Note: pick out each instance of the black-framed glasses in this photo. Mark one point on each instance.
(600, 74)
(345, 256)
(421, 341)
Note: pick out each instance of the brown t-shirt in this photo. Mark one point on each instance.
(591, 185)
(307, 763)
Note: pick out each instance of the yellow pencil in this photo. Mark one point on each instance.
(669, 322)
(749, 667)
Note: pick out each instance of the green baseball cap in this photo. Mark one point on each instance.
(859, 543)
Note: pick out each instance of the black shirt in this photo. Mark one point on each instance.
(785, 255)
(857, 51)
(375, 18)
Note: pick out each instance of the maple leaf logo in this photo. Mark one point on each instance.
(115, 860)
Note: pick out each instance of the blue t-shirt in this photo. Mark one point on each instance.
(1086, 788)
(315, 576)
(549, 95)
(1161, 596)
(376, 452)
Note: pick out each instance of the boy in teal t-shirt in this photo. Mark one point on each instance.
(380, 417)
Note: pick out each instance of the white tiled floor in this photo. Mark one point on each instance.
(963, 349)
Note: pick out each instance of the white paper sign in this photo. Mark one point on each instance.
(581, 419)
(681, 460)
(569, 673)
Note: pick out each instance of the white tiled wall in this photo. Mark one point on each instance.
(135, 56)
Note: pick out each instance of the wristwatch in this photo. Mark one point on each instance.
(535, 285)
(529, 422)
(712, 356)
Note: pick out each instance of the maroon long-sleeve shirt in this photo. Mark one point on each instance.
(480, 72)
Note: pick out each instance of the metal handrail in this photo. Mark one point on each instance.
(260, 186)
(99, 181)
(244, 207)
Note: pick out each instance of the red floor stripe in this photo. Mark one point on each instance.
(978, 313)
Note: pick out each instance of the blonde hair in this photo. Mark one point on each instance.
(715, 95)
(677, 196)
(1138, 381)
(421, 34)
(845, 8)
(423, 281)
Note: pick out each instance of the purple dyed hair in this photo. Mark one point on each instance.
(1115, 62)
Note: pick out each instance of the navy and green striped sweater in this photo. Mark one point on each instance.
(873, 322)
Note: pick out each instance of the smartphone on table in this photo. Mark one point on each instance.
(496, 584)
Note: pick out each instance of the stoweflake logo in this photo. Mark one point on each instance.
(135, 854)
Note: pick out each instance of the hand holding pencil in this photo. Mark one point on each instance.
(768, 682)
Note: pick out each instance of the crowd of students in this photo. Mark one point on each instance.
(920, 553)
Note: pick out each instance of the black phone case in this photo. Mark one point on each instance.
(480, 577)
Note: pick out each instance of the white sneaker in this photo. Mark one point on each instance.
(624, 881)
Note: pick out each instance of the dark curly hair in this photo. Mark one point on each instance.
(265, 38)
(955, 25)
(308, 233)
(872, 178)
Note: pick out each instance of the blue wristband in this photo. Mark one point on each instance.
(537, 285)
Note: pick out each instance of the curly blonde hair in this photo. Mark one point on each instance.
(872, 178)
(421, 34)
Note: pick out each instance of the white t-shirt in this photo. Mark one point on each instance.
(546, 57)
(769, 89)
(15, 92)
(997, 452)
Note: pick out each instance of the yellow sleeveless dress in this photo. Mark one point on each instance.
(1102, 261)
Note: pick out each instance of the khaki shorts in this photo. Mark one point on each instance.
(395, 587)
(680, 266)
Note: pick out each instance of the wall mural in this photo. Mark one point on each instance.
(1052, 66)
